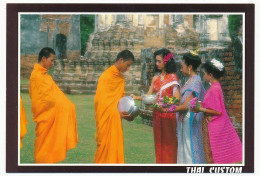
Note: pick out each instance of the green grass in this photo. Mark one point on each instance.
(138, 138)
(24, 81)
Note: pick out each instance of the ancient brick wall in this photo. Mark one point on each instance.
(232, 88)
(39, 31)
(27, 62)
(80, 76)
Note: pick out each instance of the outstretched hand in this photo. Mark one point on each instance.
(136, 97)
(133, 96)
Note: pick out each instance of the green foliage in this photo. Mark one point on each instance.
(138, 138)
(50, 71)
(234, 24)
(87, 26)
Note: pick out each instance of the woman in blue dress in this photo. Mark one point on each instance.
(190, 148)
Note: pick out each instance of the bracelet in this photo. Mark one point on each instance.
(204, 110)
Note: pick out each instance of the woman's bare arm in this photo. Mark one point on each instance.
(150, 91)
(207, 111)
(184, 106)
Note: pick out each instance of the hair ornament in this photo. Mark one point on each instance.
(195, 52)
(217, 64)
(167, 57)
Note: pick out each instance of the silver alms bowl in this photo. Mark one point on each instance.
(127, 104)
(149, 99)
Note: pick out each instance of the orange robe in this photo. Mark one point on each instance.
(109, 132)
(23, 122)
(55, 117)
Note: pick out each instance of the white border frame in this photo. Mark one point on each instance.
(190, 165)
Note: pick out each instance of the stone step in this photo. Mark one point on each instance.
(73, 91)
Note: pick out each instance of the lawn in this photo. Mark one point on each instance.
(138, 138)
(24, 81)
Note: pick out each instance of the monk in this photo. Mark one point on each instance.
(54, 114)
(23, 122)
(109, 132)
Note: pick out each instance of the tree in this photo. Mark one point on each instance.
(235, 26)
(87, 26)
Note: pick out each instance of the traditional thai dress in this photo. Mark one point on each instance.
(164, 124)
(221, 142)
(190, 148)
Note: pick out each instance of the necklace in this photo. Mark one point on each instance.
(162, 77)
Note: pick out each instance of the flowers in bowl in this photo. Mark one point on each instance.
(166, 102)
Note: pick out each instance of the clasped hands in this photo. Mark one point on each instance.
(196, 110)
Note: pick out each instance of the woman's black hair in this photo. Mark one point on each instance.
(192, 60)
(170, 66)
(210, 68)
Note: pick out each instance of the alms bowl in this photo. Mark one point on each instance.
(127, 104)
(149, 99)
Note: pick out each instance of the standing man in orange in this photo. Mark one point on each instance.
(23, 122)
(109, 132)
(54, 114)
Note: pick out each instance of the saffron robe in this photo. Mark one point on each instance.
(109, 132)
(23, 122)
(55, 117)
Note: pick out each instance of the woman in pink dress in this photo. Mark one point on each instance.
(164, 123)
(220, 140)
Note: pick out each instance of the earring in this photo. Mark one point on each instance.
(189, 71)
(210, 81)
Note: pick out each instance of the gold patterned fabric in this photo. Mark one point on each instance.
(205, 138)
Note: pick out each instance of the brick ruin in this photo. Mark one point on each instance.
(77, 74)
(60, 32)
